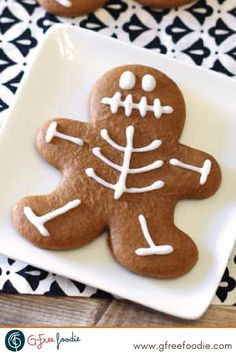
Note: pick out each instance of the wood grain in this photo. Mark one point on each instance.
(125, 313)
(25, 310)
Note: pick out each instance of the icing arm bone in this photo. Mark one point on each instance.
(198, 173)
(61, 135)
(53, 132)
(204, 171)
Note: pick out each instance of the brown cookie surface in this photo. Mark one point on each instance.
(123, 171)
(164, 4)
(70, 8)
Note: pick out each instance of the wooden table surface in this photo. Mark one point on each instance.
(27, 310)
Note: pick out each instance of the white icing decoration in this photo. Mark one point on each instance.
(152, 249)
(90, 173)
(115, 102)
(120, 186)
(150, 167)
(204, 171)
(154, 186)
(154, 145)
(65, 3)
(148, 83)
(39, 221)
(127, 80)
(52, 132)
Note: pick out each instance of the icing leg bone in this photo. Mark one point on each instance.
(152, 249)
(39, 221)
(52, 132)
(204, 171)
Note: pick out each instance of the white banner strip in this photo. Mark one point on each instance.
(118, 340)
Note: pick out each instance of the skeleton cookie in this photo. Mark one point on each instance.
(124, 172)
(164, 4)
(71, 7)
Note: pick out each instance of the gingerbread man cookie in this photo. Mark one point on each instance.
(164, 4)
(124, 172)
(70, 8)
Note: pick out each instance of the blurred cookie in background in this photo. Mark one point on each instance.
(164, 4)
(69, 8)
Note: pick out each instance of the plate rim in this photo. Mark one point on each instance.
(54, 30)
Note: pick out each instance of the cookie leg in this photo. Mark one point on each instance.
(144, 247)
(52, 222)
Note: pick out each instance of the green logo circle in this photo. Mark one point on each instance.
(14, 340)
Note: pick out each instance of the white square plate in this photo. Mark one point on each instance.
(57, 84)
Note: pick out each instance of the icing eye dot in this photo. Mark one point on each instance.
(127, 80)
(148, 83)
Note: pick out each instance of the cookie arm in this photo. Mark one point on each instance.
(60, 139)
(198, 174)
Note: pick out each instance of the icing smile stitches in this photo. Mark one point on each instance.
(128, 104)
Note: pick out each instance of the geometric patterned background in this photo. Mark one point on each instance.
(202, 33)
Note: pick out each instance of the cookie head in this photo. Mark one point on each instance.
(139, 95)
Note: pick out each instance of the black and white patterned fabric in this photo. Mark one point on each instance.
(202, 33)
